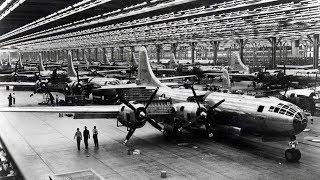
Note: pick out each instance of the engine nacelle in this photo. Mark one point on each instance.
(131, 119)
(189, 111)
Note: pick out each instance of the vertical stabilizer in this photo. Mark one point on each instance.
(9, 59)
(20, 61)
(172, 62)
(71, 70)
(145, 73)
(237, 64)
(226, 84)
(41, 67)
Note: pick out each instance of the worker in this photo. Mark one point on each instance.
(95, 136)
(10, 100)
(78, 135)
(86, 136)
(14, 98)
(57, 99)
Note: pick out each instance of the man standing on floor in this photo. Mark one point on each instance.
(95, 136)
(14, 98)
(10, 100)
(86, 136)
(79, 138)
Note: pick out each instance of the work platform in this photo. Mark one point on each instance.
(42, 144)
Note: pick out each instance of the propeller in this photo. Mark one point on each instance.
(201, 113)
(140, 114)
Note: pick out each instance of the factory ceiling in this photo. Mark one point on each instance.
(60, 24)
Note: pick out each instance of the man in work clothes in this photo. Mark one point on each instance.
(14, 98)
(86, 136)
(10, 99)
(78, 135)
(95, 136)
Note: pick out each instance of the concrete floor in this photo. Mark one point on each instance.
(42, 144)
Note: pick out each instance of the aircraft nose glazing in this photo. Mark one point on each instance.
(299, 122)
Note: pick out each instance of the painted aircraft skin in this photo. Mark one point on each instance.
(242, 107)
(267, 116)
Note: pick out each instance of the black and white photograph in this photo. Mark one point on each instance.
(159, 89)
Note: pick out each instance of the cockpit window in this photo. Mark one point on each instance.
(282, 111)
(285, 107)
(289, 113)
(271, 108)
(288, 109)
(260, 108)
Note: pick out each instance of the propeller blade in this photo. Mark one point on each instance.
(195, 96)
(130, 133)
(77, 71)
(154, 124)
(126, 103)
(152, 97)
(217, 104)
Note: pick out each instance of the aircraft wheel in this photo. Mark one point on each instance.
(292, 155)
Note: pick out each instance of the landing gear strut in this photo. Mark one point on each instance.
(293, 154)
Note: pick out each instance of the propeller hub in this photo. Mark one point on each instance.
(203, 114)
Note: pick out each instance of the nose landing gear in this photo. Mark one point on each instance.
(293, 154)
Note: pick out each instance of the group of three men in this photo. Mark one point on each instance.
(86, 136)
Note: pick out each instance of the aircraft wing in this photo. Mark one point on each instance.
(111, 71)
(176, 77)
(122, 86)
(64, 109)
(238, 76)
(17, 83)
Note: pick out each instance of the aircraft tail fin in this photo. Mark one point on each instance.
(9, 59)
(237, 64)
(172, 61)
(226, 84)
(145, 73)
(41, 67)
(71, 70)
(20, 61)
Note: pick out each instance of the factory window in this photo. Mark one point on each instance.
(260, 108)
(276, 109)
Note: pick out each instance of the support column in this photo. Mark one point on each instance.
(132, 56)
(121, 54)
(316, 51)
(241, 47)
(112, 53)
(104, 56)
(215, 45)
(57, 55)
(273, 42)
(193, 49)
(89, 55)
(158, 47)
(96, 54)
(174, 49)
(83, 55)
